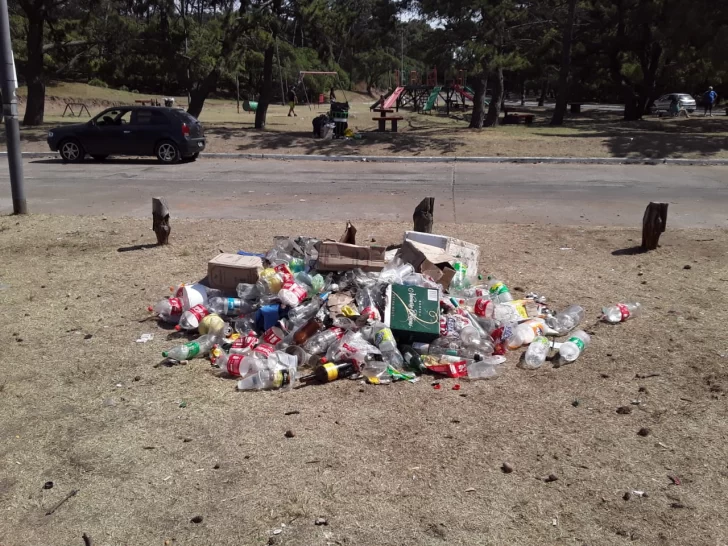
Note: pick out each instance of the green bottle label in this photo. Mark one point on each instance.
(498, 288)
(193, 348)
(578, 342)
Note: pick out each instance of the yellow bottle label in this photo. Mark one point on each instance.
(332, 372)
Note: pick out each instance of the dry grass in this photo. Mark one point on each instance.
(587, 135)
(384, 464)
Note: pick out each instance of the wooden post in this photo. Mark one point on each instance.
(237, 89)
(423, 216)
(654, 223)
(160, 220)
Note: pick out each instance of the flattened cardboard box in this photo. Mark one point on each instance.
(429, 260)
(340, 257)
(226, 271)
(462, 251)
(413, 313)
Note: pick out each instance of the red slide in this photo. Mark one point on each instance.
(392, 99)
(463, 92)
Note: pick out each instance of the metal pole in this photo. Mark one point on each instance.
(401, 76)
(237, 90)
(10, 112)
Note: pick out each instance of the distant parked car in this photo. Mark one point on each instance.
(685, 101)
(169, 134)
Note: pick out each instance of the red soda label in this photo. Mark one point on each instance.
(180, 290)
(624, 310)
(273, 336)
(480, 306)
(283, 270)
(199, 311)
(371, 312)
(233, 364)
(338, 332)
(294, 288)
(265, 350)
(457, 369)
(247, 342)
(443, 326)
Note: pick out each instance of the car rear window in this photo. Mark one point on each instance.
(184, 116)
(151, 117)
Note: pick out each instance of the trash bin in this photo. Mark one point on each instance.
(339, 114)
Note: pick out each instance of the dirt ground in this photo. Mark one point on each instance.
(591, 134)
(150, 448)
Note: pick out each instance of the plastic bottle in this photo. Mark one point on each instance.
(394, 358)
(384, 338)
(536, 353)
(412, 359)
(469, 335)
(366, 304)
(264, 379)
(526, 332)
(498, 291)
(248, 292)
(243, 344)
(239, 365)
(486, 368)
(194, 349)
(330, 371)
(621, 312)
(565, 321)
(574, 346)
(191, 318)
(244, 324)
(229, 306)
(304, 313)
(169, 309)
(320, 343)
(306, 331)
(274, 336)
(213, 324)
(271, 280)
(460, 282)
(291, 293)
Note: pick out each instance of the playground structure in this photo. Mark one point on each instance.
(424, 96)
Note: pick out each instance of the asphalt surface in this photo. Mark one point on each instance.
(313, 190)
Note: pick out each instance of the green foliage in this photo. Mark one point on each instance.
(97, 83)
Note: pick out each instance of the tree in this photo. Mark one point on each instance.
(567, 36)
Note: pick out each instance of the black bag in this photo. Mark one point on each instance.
(318, 124)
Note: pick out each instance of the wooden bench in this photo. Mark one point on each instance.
(384, 111)
(383, 122)
(514, 118)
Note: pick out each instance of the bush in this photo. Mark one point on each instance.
(123, 88)
(97, 83)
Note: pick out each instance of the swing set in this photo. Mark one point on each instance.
(301, 82)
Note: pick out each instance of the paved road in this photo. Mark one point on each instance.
(480, 193)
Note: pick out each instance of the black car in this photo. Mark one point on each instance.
(169, 134)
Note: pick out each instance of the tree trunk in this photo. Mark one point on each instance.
(478, 117)
(544, 90)
(202, 91)
(492, 119)
(266, 93)
(35, 107)
(566, 40)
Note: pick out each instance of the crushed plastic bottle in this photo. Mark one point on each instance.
(168, 310)
(621, 312)
(384, 338)
(291, 293)
(238, 365)
(574, 346)
(487, 368)
(248, 292)
(565, 321)
(229, 306)
(367, 305)
(194, 349)
(320, 343)
(536, 353)
(190, 319)
(264, 379)
(498, 291)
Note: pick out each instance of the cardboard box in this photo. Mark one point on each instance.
(413, 313)
(340, 257)
(463, 252)
(226, 271)
(429, 260)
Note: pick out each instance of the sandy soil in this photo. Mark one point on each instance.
(149, 448)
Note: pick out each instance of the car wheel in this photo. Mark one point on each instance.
(71, 151)
(167, 152)
(99, 157)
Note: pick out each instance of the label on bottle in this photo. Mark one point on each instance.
(280, 378)
(371, 312)
(193, 349)
(338, 332)
(624, 310)
(282, 269)
(249, 341)
(233, 306)
(265, 350)
(175, 305)
(199, 311)
(233, 364)
(480, 306)
(332, 371)
(498, 288)
(349, 311)
(383, 335)
(578, 342)
(298, 291)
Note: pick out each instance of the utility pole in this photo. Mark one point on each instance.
(401, 77)
(10, 112)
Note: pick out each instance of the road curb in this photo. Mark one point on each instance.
(445, 159)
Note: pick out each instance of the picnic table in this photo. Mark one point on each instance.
(514, 118)
(383, 111)
(383, 119)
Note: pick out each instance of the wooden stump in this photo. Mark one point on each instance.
(349, 236)
(423, 216)
(160, 220)
(654, 223)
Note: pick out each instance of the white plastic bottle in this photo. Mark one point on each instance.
(194, 349)
(525, 333)
(536, 353)
(498, 291)
(574, 346)
(486, 368)
(169, 310)
(238, 365)
(621, 312)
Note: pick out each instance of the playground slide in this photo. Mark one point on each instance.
(431, 100)
(463, 92)
(392, 99)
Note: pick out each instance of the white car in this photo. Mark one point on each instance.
(685, 101)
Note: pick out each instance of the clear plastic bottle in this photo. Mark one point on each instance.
(366, 304)
(574, 346)
(525, 333)
(303, 313)
(248, 292)
(244, 344)
(320, 343)
(190, 319)
(238, 365)
(244, 324)
(168, 310)
(469, 335)
(264, 379)
(460, 282)
(565, 321)
(270, 281)
(229, 306)
(194, 349)
(498, 291)
(621, 312)
(394, 358)
(486, 368)
(384, 338)
(291, 293)
(536, 353)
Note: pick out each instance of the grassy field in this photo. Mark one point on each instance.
(150, 448)
(590, 134)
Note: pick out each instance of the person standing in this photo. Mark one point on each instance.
(709, 99)
(332, 96)
(292, 103)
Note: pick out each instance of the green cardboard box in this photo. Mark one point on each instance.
(413, 313)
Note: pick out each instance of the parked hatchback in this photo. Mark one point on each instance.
(684, 100)
(169, 134)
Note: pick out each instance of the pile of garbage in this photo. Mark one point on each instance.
(316, 311)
